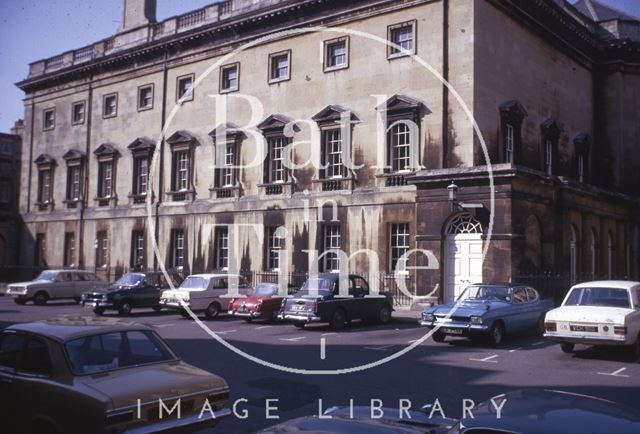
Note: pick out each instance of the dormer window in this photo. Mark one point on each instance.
(512, 114)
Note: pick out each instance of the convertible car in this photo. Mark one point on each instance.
(490, 310)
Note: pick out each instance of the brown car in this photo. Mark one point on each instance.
(101, 375)
(263, 303)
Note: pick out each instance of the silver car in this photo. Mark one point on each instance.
(55, 285)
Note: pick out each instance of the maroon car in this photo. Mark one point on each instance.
(263, 303)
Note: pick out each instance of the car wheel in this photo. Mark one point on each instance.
(98, 311)
(184, 314)
(567, 347)
(20, 302)
(496, 334)
(299, 324)
(384, 315)
(338, 319)
(40, 298)
(274, 316)
(124, 308)
(77, 300)
(156, 308)
(212, 311)
(438, 336)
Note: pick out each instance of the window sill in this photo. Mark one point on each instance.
(395, 179)
(136, 199)
(107, 201)
(336, 184)
(277, 188)
(226, 192)
(336, 68)
(279, 80)
(181, 196)
(72, 203)
(44, 206)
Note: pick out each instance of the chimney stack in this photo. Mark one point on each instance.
(137, 13)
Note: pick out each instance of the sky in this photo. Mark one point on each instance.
(31, 30)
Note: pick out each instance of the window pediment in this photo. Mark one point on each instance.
(181, 139)
(73, 155)
(513, 111)
(333, 113)
(107, 151)
(142, 145)
(274, 122)
(45, 160)
(551, 129)
(228, 130)
(401, 103)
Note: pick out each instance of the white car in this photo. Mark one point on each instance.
(597, 313)
(208, 293)
(55, 285)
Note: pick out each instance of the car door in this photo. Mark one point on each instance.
(358, 305)
(11, 345)
(519, 307)
(62, 287)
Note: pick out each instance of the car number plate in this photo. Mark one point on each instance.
(90, 304)
(452, 331)
(299, 307)
(581, 328)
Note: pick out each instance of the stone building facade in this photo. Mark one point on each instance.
(10, 156)
(527, 106)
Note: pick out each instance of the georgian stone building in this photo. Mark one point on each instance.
(136, 120)
(10, 155)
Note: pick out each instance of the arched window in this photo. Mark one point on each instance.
(464, 223)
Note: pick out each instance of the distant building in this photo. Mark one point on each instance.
(554, 90)
(10, 154)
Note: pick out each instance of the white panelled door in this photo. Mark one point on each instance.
(463, 256)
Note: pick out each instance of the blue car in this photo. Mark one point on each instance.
(488, 310)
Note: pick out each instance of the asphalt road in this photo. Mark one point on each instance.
(450, 372)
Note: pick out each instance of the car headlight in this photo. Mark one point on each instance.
(428, 317)
(475, 320)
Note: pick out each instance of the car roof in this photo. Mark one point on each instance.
(538, 411)
(63, 329)
(625, 284)
(68, 270)
(333, 276)
(502, 284)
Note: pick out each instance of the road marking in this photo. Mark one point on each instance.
(487, 359)
(382, 348)
(415, 340)
(224, 332)
(323, 353)
(515, 349)
(615, 373)
(293, 339)
(328, 334)
(263, 327)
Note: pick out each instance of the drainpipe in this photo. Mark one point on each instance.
(445, 90)
(156, 229)
(85, 186)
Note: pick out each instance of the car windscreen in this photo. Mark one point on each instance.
(46, 276)
(317, 284)
(194, 283)
(608, 297)
(487, 293)
(264, 290)
(129, 280)
(115, 350)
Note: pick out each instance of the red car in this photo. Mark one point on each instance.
(263, 303)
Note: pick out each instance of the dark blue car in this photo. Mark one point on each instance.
(490, 310)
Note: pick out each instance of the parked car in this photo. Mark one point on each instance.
(597, 313)
(131, 290)
(542, 411)
(208, 293)
(262, 303)
(319, 300)
(524, 411)
(489, 310)
(100, 375)
(55, 285)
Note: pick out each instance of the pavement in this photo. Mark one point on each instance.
(300, 371)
